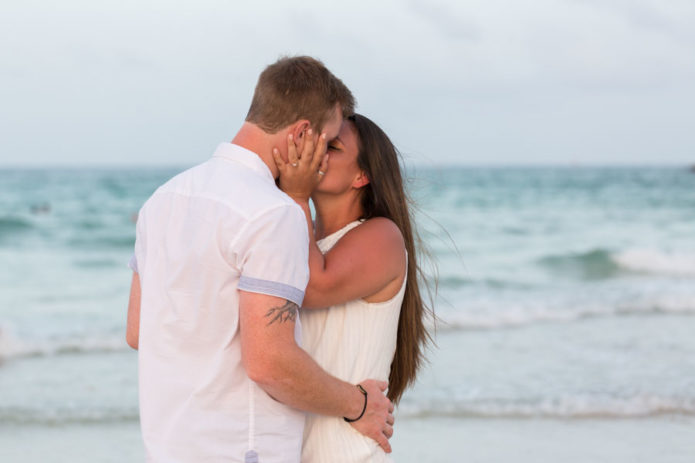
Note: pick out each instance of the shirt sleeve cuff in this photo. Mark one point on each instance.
(271, 288)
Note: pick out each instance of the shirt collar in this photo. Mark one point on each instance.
(241, 155)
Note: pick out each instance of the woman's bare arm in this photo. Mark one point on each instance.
(364, 261)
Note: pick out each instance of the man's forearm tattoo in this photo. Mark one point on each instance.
(287, 312)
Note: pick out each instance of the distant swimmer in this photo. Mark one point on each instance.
(43, 208)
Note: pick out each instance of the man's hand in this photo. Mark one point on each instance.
(377, 421)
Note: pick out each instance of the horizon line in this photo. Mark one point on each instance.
(568, 165)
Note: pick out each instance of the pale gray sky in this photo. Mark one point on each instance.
(465, 82)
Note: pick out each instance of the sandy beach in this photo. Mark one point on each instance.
(440, 440)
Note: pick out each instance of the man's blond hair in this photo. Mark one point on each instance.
(295, 88)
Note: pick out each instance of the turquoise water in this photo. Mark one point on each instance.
(566, 295)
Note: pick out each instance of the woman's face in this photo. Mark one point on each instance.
(343, 170)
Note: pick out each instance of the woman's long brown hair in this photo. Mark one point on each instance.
(385, 196)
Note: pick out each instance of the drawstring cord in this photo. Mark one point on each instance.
(251, 454)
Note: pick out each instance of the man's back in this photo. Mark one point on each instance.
(210, 231)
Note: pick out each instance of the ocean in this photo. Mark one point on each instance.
(565, 305)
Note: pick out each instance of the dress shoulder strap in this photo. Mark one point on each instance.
(325, 244)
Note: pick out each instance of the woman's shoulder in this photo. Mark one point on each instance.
(378, 232)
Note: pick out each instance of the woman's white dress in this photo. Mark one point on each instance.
(352, 341)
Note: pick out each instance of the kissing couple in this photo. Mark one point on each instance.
(263, 334)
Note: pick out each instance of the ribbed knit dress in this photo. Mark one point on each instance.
(353, 341)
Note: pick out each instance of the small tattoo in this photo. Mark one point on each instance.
(287, 312)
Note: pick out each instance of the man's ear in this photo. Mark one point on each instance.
(361, 180)
(299, 130)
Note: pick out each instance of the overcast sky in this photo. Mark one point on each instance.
(467, 82)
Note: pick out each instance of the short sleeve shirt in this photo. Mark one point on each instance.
(215, 229)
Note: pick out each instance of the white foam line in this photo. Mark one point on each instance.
(12, 347)
(520, 316)
(564, 407)
(654, 261)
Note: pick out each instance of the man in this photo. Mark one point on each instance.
(220, 268)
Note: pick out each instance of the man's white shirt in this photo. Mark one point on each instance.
(214, 229)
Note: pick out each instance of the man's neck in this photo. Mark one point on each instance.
(253, 138)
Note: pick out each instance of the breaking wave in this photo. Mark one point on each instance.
(520, 315)
(52, 417)
(656, 262)
(12, 347)
(602, 263)
(643, 405)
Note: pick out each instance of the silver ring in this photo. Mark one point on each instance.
(322, 172)
(294, 164)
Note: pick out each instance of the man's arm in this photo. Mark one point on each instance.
(132, 334)
(286, 372)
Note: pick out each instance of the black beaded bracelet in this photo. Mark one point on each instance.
(364, 408)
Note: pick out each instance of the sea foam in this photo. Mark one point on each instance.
(568, 406)
(656, 262)
(521, 314)
(12, 346)
(603, 263)
(67, 415)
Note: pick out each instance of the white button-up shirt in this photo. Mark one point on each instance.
(214, 229)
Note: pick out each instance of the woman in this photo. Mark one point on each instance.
(363, 315)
